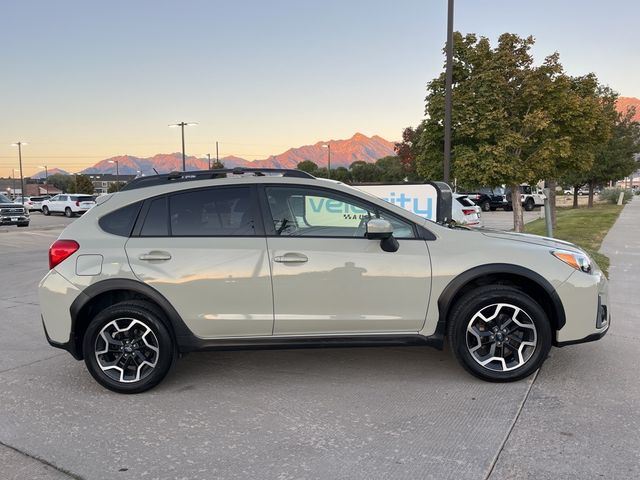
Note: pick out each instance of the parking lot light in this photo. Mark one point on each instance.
(19, 145)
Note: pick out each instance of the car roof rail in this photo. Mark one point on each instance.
(172, 177)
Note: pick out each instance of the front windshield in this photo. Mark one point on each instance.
(499, 191)
(4, 199)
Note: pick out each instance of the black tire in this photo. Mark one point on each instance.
(484, 299)
(23, 224)
(68, 212)
(508, 208)
(493, 209)
(529, 205)
(45, 211)
(485, 206)
(145, 315)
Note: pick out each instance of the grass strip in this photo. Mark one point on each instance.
(586, 227)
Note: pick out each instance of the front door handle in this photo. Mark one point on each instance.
(291, 258)
(155, 255)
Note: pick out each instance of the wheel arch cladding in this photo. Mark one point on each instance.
(110, 292)
(530, 282)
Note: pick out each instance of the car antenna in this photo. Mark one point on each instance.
(155, 171)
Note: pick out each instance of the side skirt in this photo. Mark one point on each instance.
(192, 344)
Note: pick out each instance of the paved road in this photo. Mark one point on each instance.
(40, 222)
(502, 220)
(334, 413)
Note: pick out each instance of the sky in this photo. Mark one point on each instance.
(86, 80)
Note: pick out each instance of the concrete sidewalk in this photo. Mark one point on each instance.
(582, 416)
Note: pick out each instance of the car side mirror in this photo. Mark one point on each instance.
(380, 229)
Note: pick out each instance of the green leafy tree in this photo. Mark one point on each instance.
(308, 166)
(512, 119)
(115, 187)
(61, 182)
(342, 174)
(363, 172)
(81, 184)
(408, 150)
(391, 169)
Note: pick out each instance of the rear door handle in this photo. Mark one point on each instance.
(291, 258)
(155, 255)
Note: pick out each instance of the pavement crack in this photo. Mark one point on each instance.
(494, 462)
(31, 363)
(43, 461)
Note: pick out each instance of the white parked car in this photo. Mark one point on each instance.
(249, 258)
(465, 212)
(68, 204)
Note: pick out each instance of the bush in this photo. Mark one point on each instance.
(610, 195)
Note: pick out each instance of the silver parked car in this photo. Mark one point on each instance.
(247, 258)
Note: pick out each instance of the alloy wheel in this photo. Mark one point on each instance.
(127, 350)
(501, 337)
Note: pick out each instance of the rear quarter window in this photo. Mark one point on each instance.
(120, 222)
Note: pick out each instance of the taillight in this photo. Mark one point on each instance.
(468, 211)
(77, 203)
(61, 250)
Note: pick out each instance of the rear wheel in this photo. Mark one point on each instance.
(128, 348)
(486, 206)
(499, 333)
(68, 213)
(45, 210)
(529, 205)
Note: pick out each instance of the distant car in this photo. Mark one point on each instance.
(13, 213)
(568, 191)
(465, 212)
(529, 197)
(489, 198)
(69, 205)
(26, 201)
(35, 203)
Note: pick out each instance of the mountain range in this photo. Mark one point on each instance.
(343, 153)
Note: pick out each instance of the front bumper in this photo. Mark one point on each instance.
(586, 302)
(17, 219)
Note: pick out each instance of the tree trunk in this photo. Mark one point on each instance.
(591, 188)
(518, 220)
(551, 185)
(575, 196)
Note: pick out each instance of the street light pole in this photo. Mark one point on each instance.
(19, 145)
(447, 94)
(117, 174)
(13, 182)
(217, 158)
(182, 125)
(209, 160)
(46, 178)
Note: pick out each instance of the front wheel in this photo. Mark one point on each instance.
(486, 206)
(529, 205)
(499, 333)
(68, 213)
(128, 348)
(45, 211)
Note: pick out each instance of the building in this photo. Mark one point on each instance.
(102, 181)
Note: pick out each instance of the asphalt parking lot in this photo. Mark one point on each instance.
(335, 413)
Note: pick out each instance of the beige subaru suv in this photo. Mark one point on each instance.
(247, 258)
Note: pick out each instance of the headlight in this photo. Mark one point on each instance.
(579, 261)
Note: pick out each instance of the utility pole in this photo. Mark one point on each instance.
(13, 182)
(447, 94)
(328, 147)
(209, 159)
(182, 125)
(217, 157)
(19, 145)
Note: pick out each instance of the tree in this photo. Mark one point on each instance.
(363, 172)
(116, 187)
(408, 150)
(217, 164)
(81, 184)
(61, 182)
(308, 166)
(510, 118)
(391, 169)
(341, 174)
